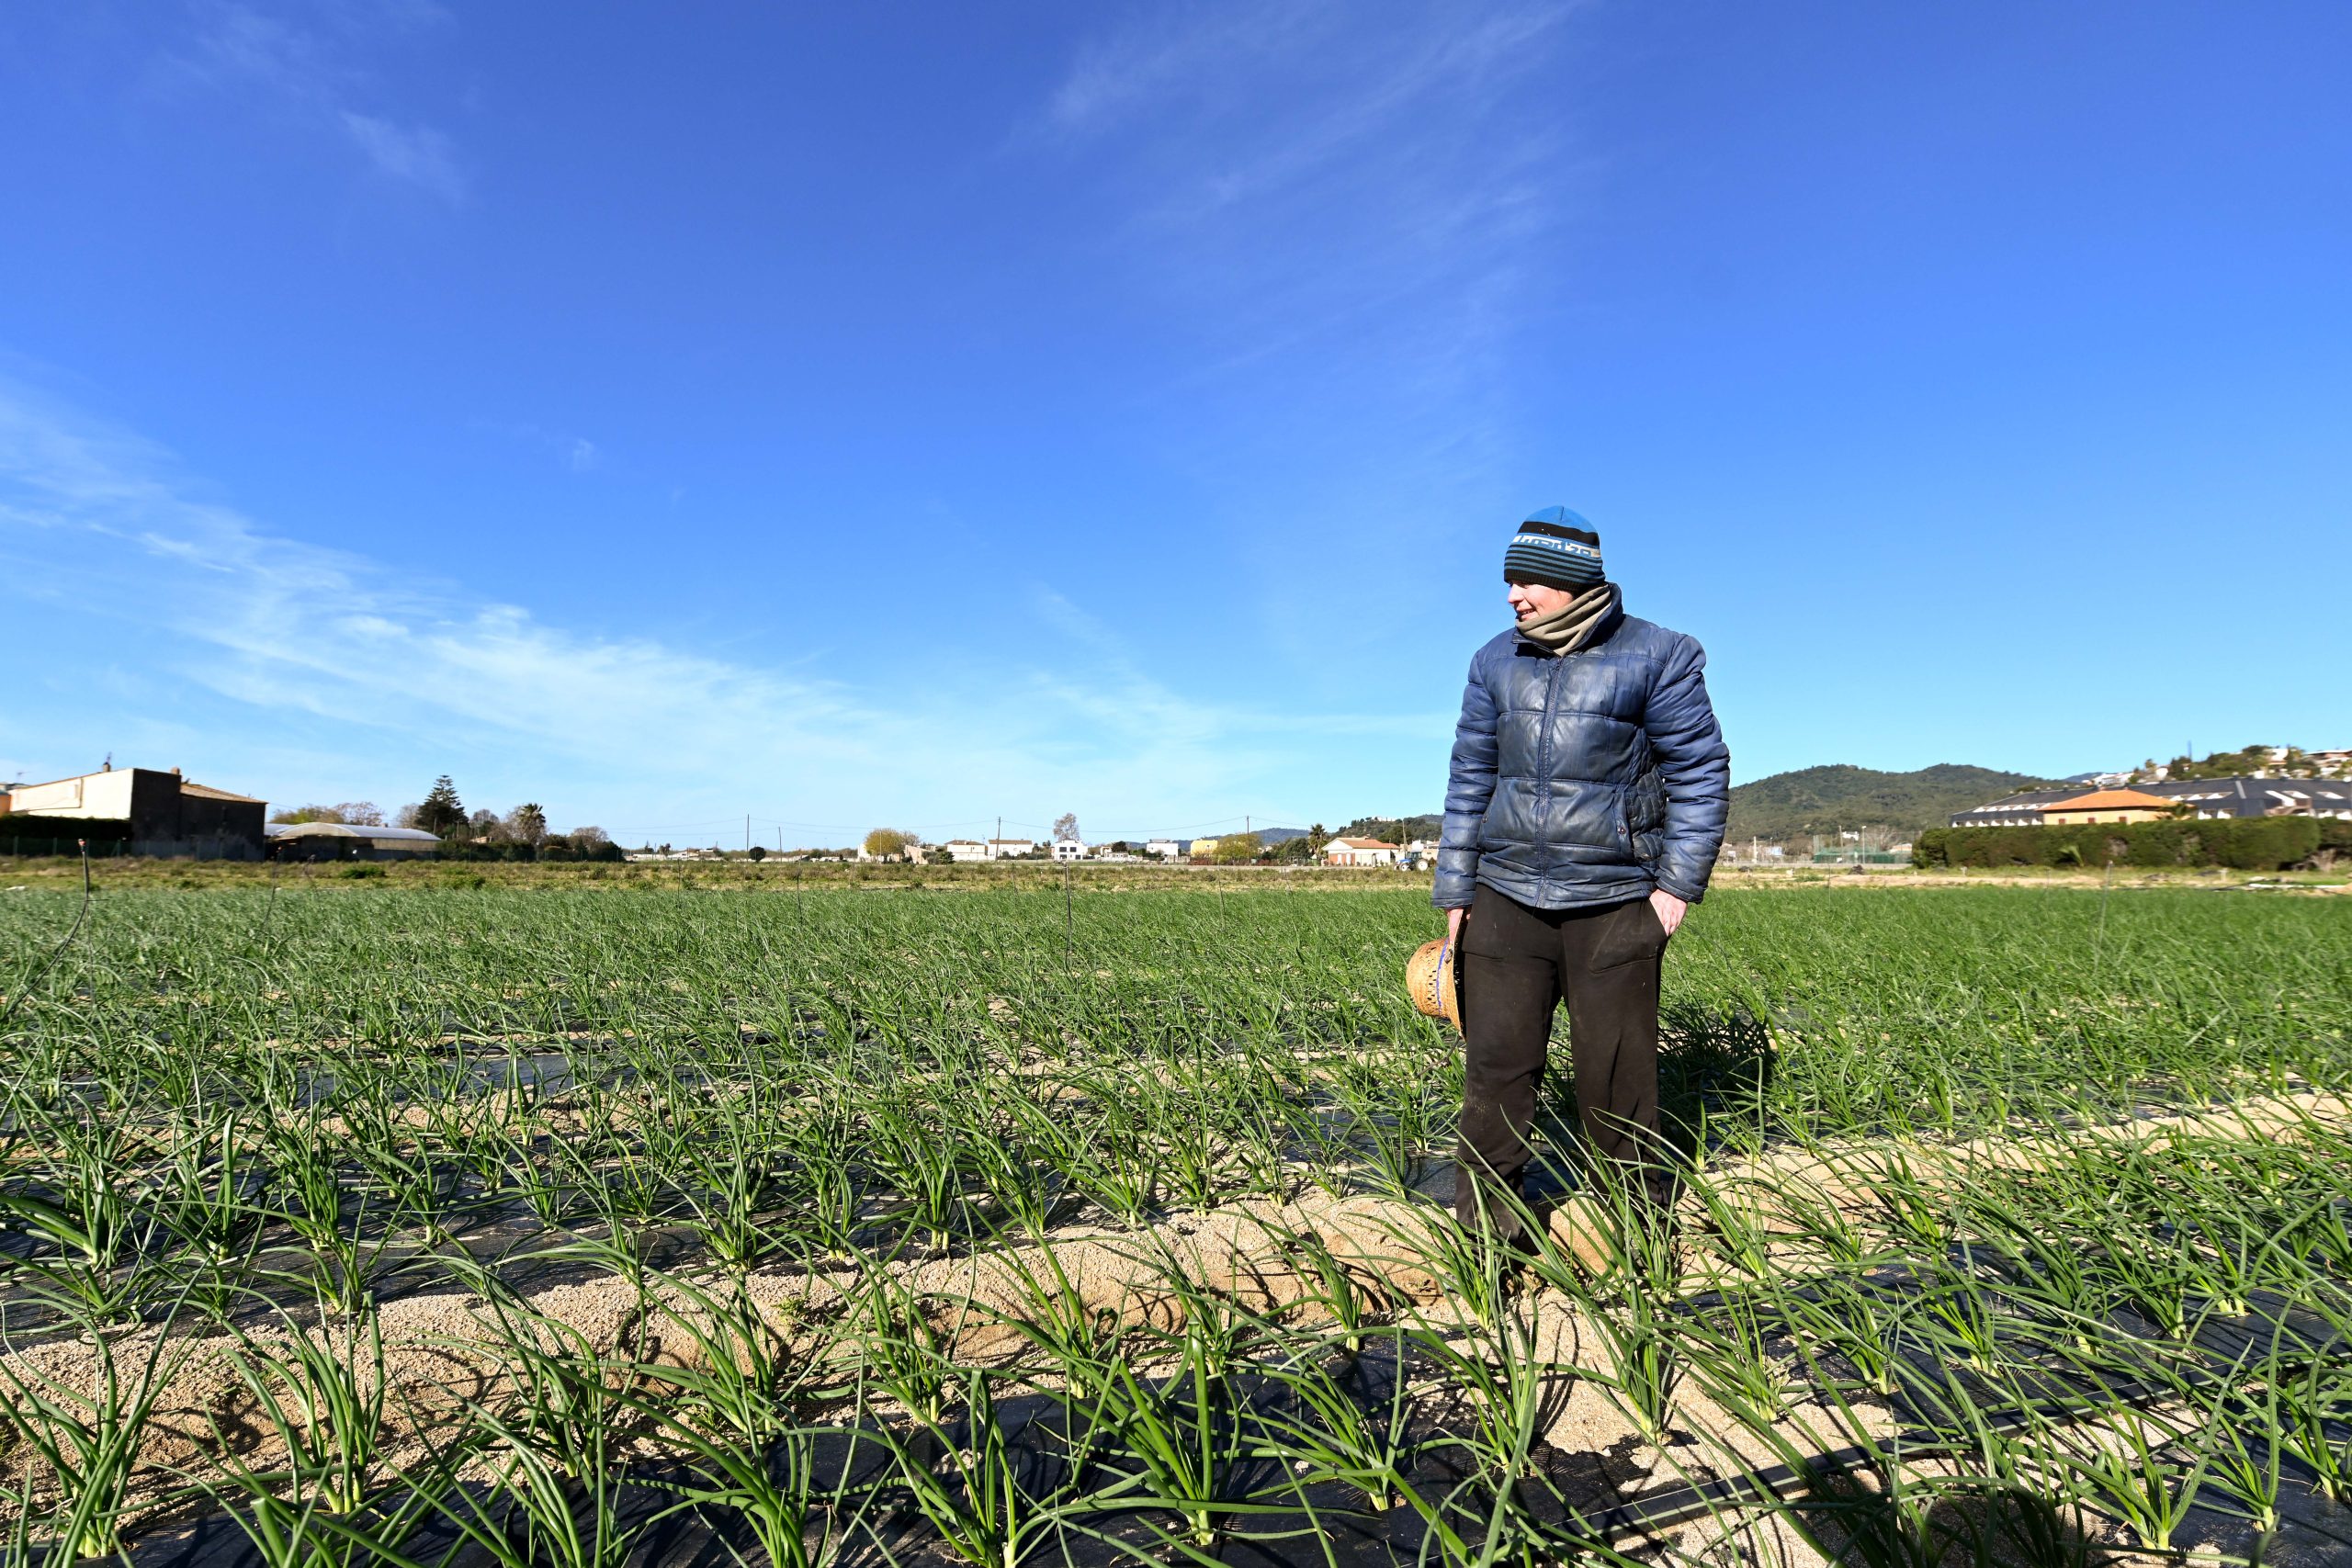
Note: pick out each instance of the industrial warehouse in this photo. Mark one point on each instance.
(137, 811)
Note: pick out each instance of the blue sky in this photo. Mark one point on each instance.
(910, 415)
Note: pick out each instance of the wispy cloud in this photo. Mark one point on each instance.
(1174, 53)
(239, 45)
(309, 68)
(619, 726)
(419, 154)
(1350, 216)
(575, 452)
(1372, 179)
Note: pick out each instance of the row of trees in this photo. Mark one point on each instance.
(354, 813)
(2245, 844)
(442, 814)
(1398, 830)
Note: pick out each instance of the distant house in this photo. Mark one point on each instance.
(1202, 848)
(2022, 809)
(1360, 852)
(161, 813)
(2108, 805)
(2205, 798)
(1166, 849)
(964, 850)
(1068, 849)
(1010, 849)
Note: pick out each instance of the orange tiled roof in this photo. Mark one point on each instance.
(2112, 800)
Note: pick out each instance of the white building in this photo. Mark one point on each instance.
(1167, 848)
(1358, 852)
(1068, 849)
(1010, 849)
(964, 850)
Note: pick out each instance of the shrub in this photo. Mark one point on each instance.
(1236, 848)
(2242, 844)
(460, 850)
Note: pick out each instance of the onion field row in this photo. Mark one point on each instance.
(348, 1225)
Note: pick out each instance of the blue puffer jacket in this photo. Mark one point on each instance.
(1587, 777)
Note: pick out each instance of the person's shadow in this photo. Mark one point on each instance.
(1718, 1061)
(1715, 1060)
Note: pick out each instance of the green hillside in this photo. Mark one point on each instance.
(1811, 800)
(1820, 800)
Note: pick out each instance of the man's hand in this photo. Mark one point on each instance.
(1454, 919)
(1669, 908)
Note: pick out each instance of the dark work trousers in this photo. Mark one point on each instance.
(1517, 964)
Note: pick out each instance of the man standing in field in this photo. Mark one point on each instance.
(1587, 801)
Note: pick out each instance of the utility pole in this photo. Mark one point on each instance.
(747, 832)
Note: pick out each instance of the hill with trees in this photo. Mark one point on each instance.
(1810, 800)
(1823, 799)
(1393, 829)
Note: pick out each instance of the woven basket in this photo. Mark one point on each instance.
(1435, 986)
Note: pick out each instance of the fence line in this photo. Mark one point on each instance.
(213, 848)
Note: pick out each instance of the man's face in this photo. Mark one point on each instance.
(1531, 600)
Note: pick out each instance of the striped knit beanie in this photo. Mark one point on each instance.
(1554, 547)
